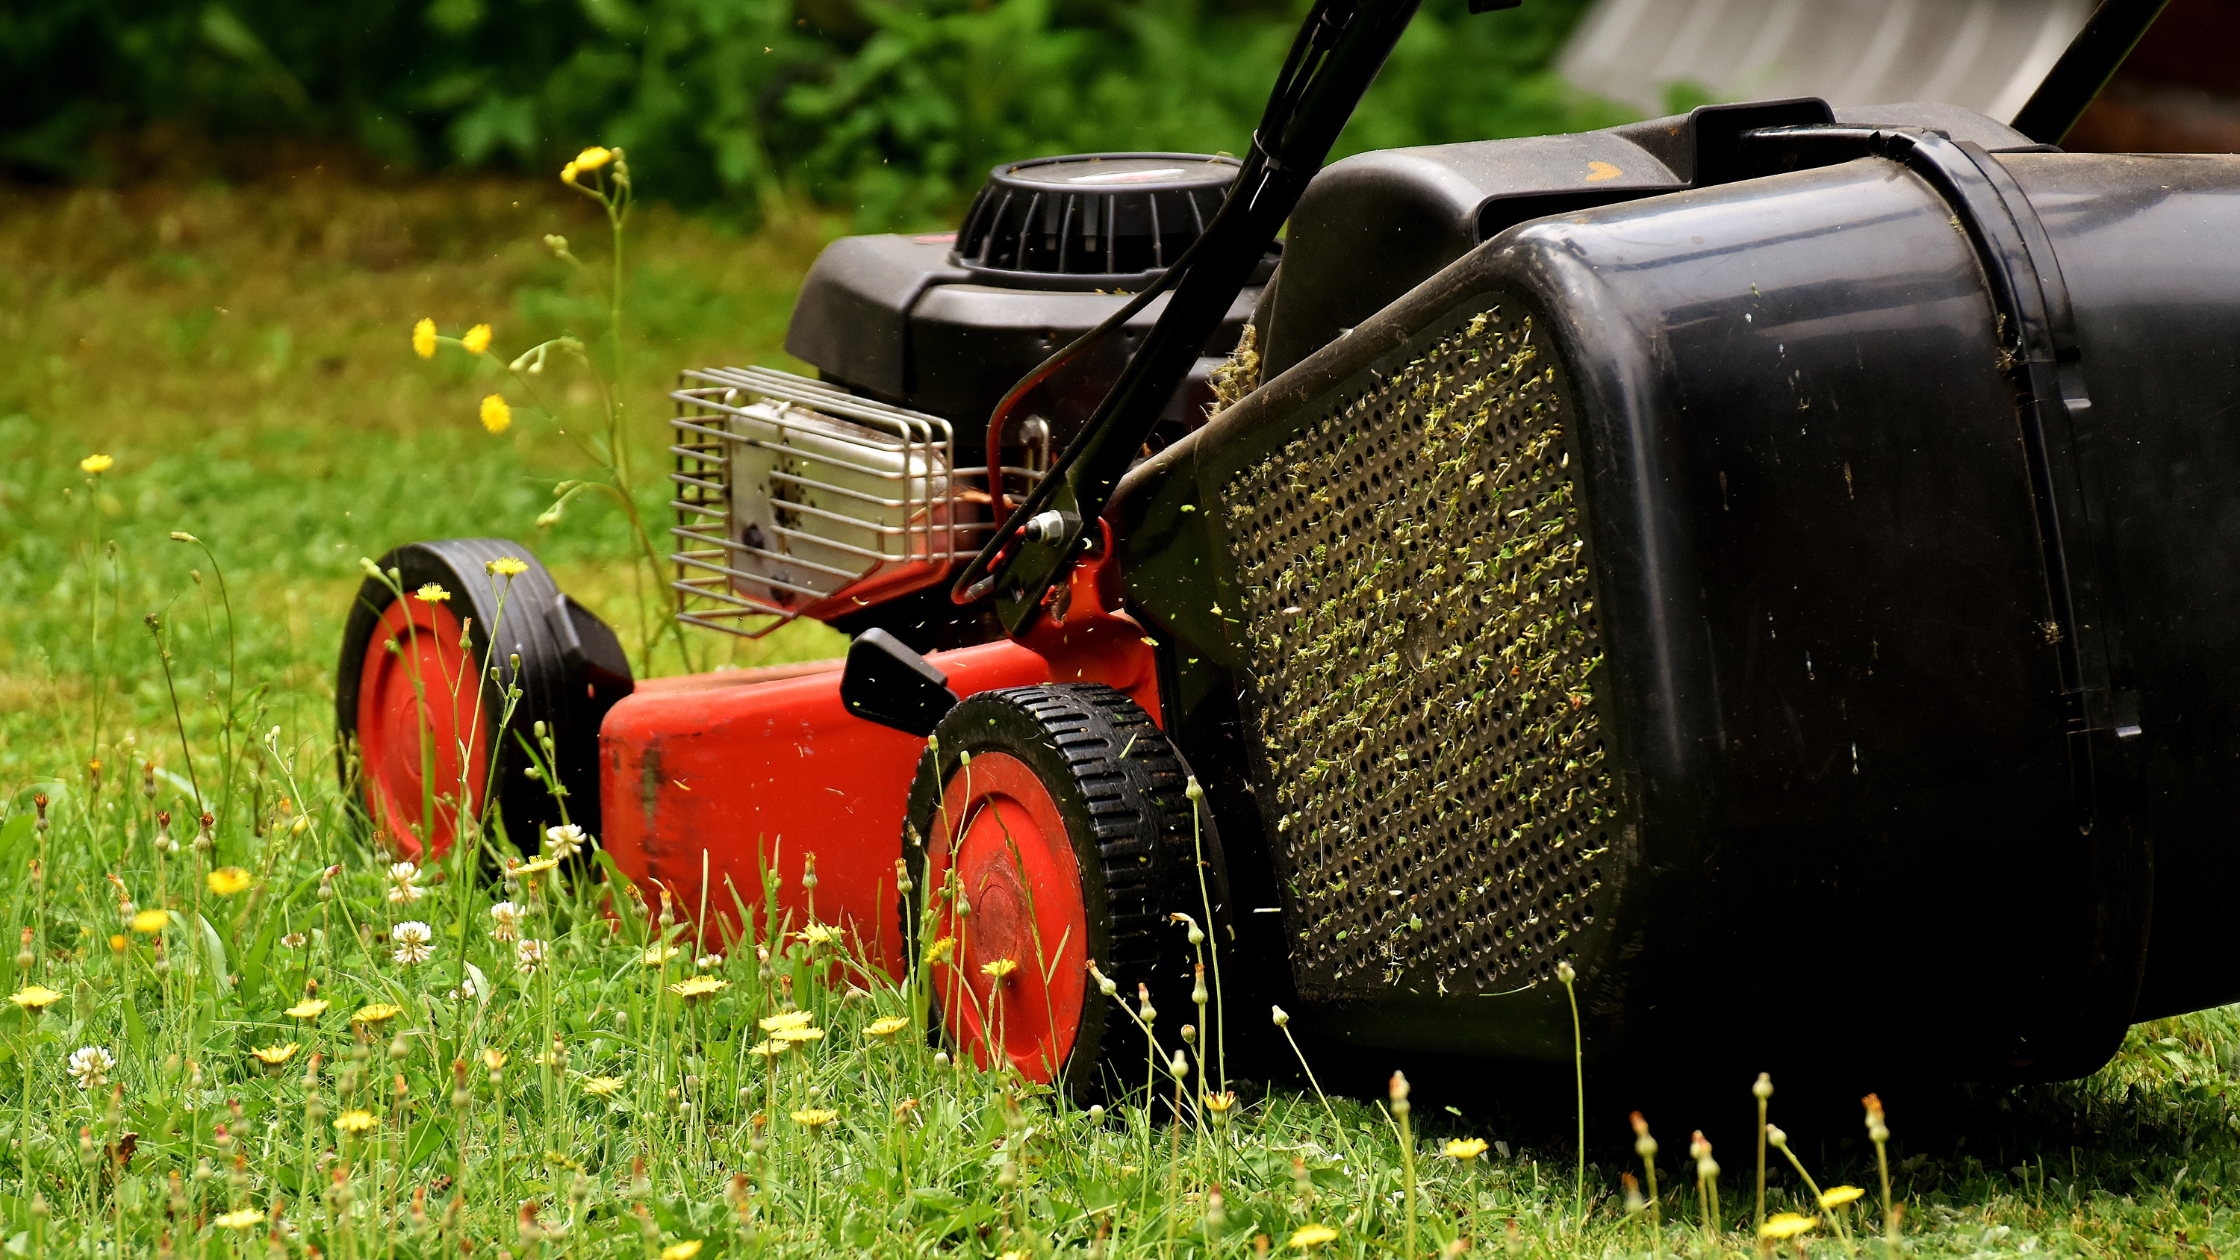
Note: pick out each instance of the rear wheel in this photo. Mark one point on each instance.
(1049, 827)
(424, 727)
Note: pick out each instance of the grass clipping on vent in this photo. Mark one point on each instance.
(1422, 657)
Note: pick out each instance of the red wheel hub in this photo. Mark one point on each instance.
(420, 727)
(1000, 831)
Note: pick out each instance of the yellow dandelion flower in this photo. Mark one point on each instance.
(1787, 1225)
(117, 942)
(999, 969)
(355, 1121)
(888, 1026)
(275, 1055)
(685, 1250)
(941, 950)
(818, 934)
(477, 339)
(97, 463)
(593, 158)
(496, 415)
(432, 593)
(36, 998)
(1839, 1196)
(424, 339)
(784, 1019)
(1219, 1104)
(506, 566)
(538, 867)
(568, 173)
(658, 954)
(815, 1117)
(602, 1086)
(246, 1218)
(1312, 1236)
(699, 987)
(309, 1008)
(378, 1013)
(228, 880)
(798, 1034)
(493, 1059)
(1466, 1148)
(769, 1049)
(1016, 1255)
(150, 922)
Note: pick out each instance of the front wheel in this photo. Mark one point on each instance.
(426, 733)
(1049, 829)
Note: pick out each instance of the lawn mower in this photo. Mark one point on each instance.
(1776, 564)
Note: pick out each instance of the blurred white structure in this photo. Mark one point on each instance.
(1984, 55)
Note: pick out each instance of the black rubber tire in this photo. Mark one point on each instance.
(1129, 821)
(559, 692)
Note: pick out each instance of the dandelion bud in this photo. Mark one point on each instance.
(1096, 1114)
(1189, 1034)
(1301, 1179)
(1763, 1089)
(1143, 1004)
(1198, 993)
(39, 1204)
(1191, 789)
(86, 1152)
(24, 956)
(941, 1060)
(514, 659)
(1216, 1212)
(399, 1047)
(1179, 1065)
(1008, 1176)
(809, 873)
(1776, 1138)
(39, 802)
(1398, 1087)
(1565, 973)
(1643, 1145)
(419, 1209)
(148, 779)
(902, 884)
(1635, 1204)
(203, 1172)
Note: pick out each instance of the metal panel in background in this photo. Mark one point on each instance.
(1983, 55)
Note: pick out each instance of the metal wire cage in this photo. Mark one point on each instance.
(795, 498)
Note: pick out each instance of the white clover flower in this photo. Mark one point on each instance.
(90, 1066)
(404, 884)
(564, 841)
(294, 940)
(414, 943)
(507, 915)
(529, 956)
(466, 992)
(709, 962)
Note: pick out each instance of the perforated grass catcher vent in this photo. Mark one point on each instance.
(1421, 654)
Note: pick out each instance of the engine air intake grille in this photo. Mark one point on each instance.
(1421, 668)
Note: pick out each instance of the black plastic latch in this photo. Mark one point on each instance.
(888, 683)
(1488, 6)
(589, 647)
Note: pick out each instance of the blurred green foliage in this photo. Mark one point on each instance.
(892, 107)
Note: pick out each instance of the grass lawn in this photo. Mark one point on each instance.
(535, 1086)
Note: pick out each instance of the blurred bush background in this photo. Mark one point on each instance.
(892, 110)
